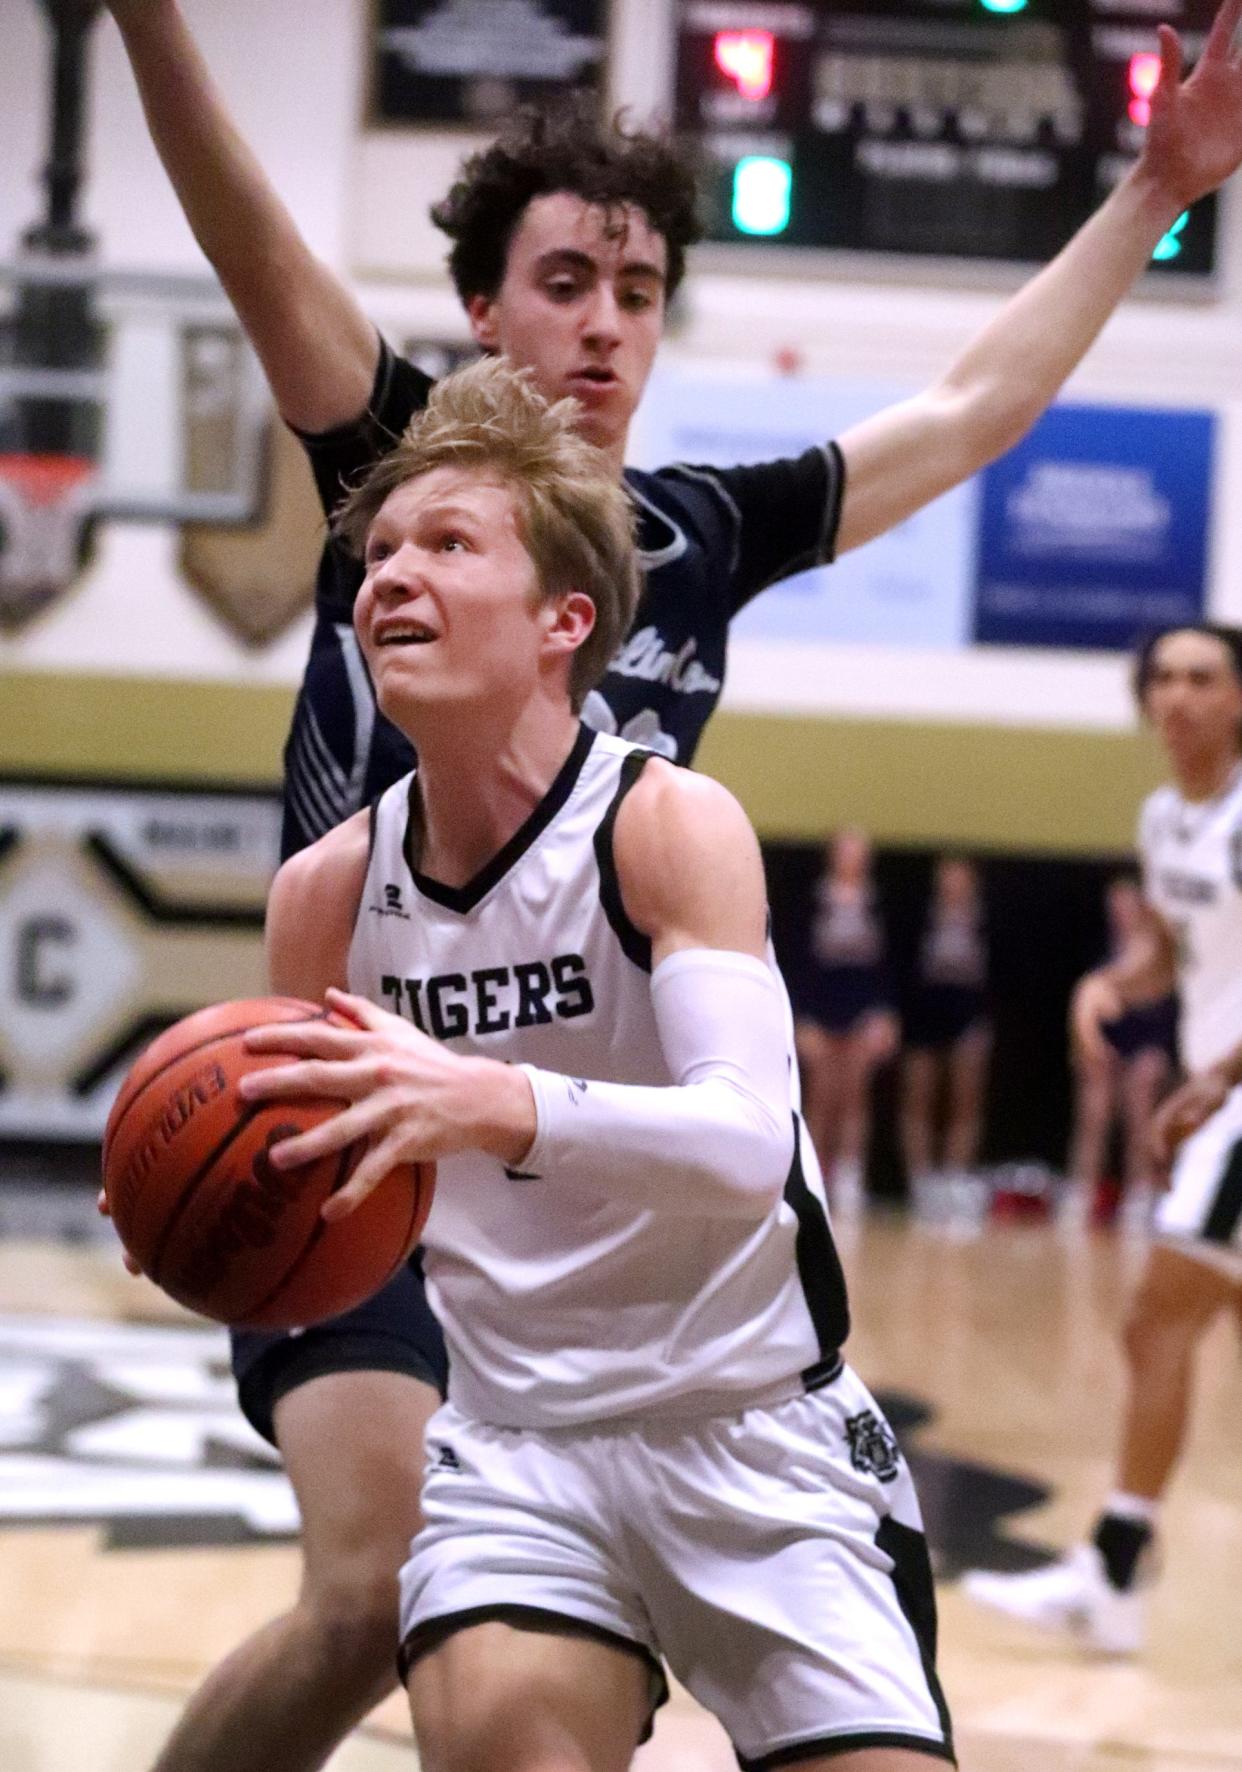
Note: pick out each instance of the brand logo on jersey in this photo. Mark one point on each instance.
(391, 906)
(447, 1459)
(493, 999)
(873, 1450)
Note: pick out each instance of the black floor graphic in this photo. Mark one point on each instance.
(966, 1505)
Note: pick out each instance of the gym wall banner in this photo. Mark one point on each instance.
(121, 910)
(1095, 529)
(910, 587)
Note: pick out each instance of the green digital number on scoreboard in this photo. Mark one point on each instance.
(964, 129)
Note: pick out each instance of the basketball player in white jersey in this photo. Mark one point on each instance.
(1189, 685)
(556, 949)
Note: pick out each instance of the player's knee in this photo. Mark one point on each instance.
(477, 1738)
(352, 1611)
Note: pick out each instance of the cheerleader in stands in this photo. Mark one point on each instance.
(847, 1026)
(948, 1041)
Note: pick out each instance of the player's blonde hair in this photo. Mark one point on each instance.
(574, 517)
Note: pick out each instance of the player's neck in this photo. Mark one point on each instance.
(477, 786)
(1205, 777)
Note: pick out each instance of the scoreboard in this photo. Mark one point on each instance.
(965, 129)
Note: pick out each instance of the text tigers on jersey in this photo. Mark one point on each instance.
(493, 999)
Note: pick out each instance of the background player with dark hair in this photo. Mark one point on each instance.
(584, 271)
(1189, 683)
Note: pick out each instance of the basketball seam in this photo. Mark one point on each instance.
(343, 1168)
(188, 1052)
(192, 1185)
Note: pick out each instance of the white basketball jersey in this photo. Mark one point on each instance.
(559, 1303)
(1192, 874)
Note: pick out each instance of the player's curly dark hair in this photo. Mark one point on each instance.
(1229, 637)
(563, 148)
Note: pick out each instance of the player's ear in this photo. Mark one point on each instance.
(484, 322)
(570, 618)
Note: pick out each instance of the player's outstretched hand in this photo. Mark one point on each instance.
(1096, 1000)
(1186, 1110)
(1194, 139)
(410, 1097)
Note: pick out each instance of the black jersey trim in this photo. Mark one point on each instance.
(834, 504)
(916, 1595)
(351, 428)
(428, 1636)
(634, 944)
(829, 1746)
(1223, 1219)
(819, 1267)
(465, 898)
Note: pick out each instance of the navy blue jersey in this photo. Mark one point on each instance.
(710, 539)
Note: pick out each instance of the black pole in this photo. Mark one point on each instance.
(59, 232)
(55, 327)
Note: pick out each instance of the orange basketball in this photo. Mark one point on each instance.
(204, 1212)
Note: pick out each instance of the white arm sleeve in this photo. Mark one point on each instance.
(720, 1138)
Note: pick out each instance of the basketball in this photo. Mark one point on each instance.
(199, 1205)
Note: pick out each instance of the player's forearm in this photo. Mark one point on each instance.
(317, 347)
(1016, 366)
(718, 1141)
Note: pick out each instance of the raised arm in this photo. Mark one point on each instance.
(904, 457)
(318, 349)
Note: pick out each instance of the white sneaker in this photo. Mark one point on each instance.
(847, 1194)
(1138, 1206)
(1074, 1595)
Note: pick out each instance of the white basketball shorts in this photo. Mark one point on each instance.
(1202, 1211)
(774, 1558)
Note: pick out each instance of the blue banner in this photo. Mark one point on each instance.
(1094, 530)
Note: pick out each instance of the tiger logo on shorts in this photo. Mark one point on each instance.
(873, 1450)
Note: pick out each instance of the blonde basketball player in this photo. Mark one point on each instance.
(1189, 684)
(555, 947)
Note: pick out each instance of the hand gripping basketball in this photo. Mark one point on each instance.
(199, 1204)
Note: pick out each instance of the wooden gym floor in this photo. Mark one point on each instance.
(142, 1534)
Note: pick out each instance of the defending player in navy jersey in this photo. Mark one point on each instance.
(1189, 683)
(566, 249)
(651, 1449)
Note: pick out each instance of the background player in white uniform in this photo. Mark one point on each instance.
(1189, 684)
(581, 301)
(651, 1447)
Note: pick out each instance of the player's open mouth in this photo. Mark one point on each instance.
(595, 378)
(406, 633)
